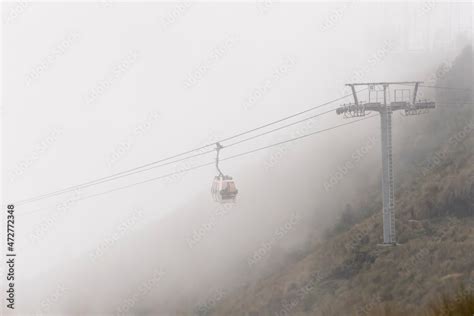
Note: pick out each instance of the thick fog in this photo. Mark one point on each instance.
(93, 89)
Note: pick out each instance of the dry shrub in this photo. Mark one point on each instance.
(461, 304)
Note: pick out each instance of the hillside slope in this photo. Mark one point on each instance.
(350, 274)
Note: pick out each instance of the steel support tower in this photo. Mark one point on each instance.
(379, 101)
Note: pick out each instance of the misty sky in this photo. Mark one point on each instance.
(93, 89)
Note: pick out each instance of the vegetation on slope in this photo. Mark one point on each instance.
(350, 274)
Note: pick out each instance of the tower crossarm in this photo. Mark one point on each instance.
(353, 108)
(395, 106)
(424, 105)
(419, 107)
(377, 107)
(383, 83)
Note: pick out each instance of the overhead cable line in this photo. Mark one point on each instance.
(438, 87)
(224, 159)
(109, 178)
(166, 163)
(279, 128)
(447, 88)
(131, 171)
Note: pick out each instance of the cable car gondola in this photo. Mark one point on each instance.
(223, 188)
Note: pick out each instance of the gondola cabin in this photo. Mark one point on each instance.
(223, 189)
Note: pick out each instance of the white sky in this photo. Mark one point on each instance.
(159, 45)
